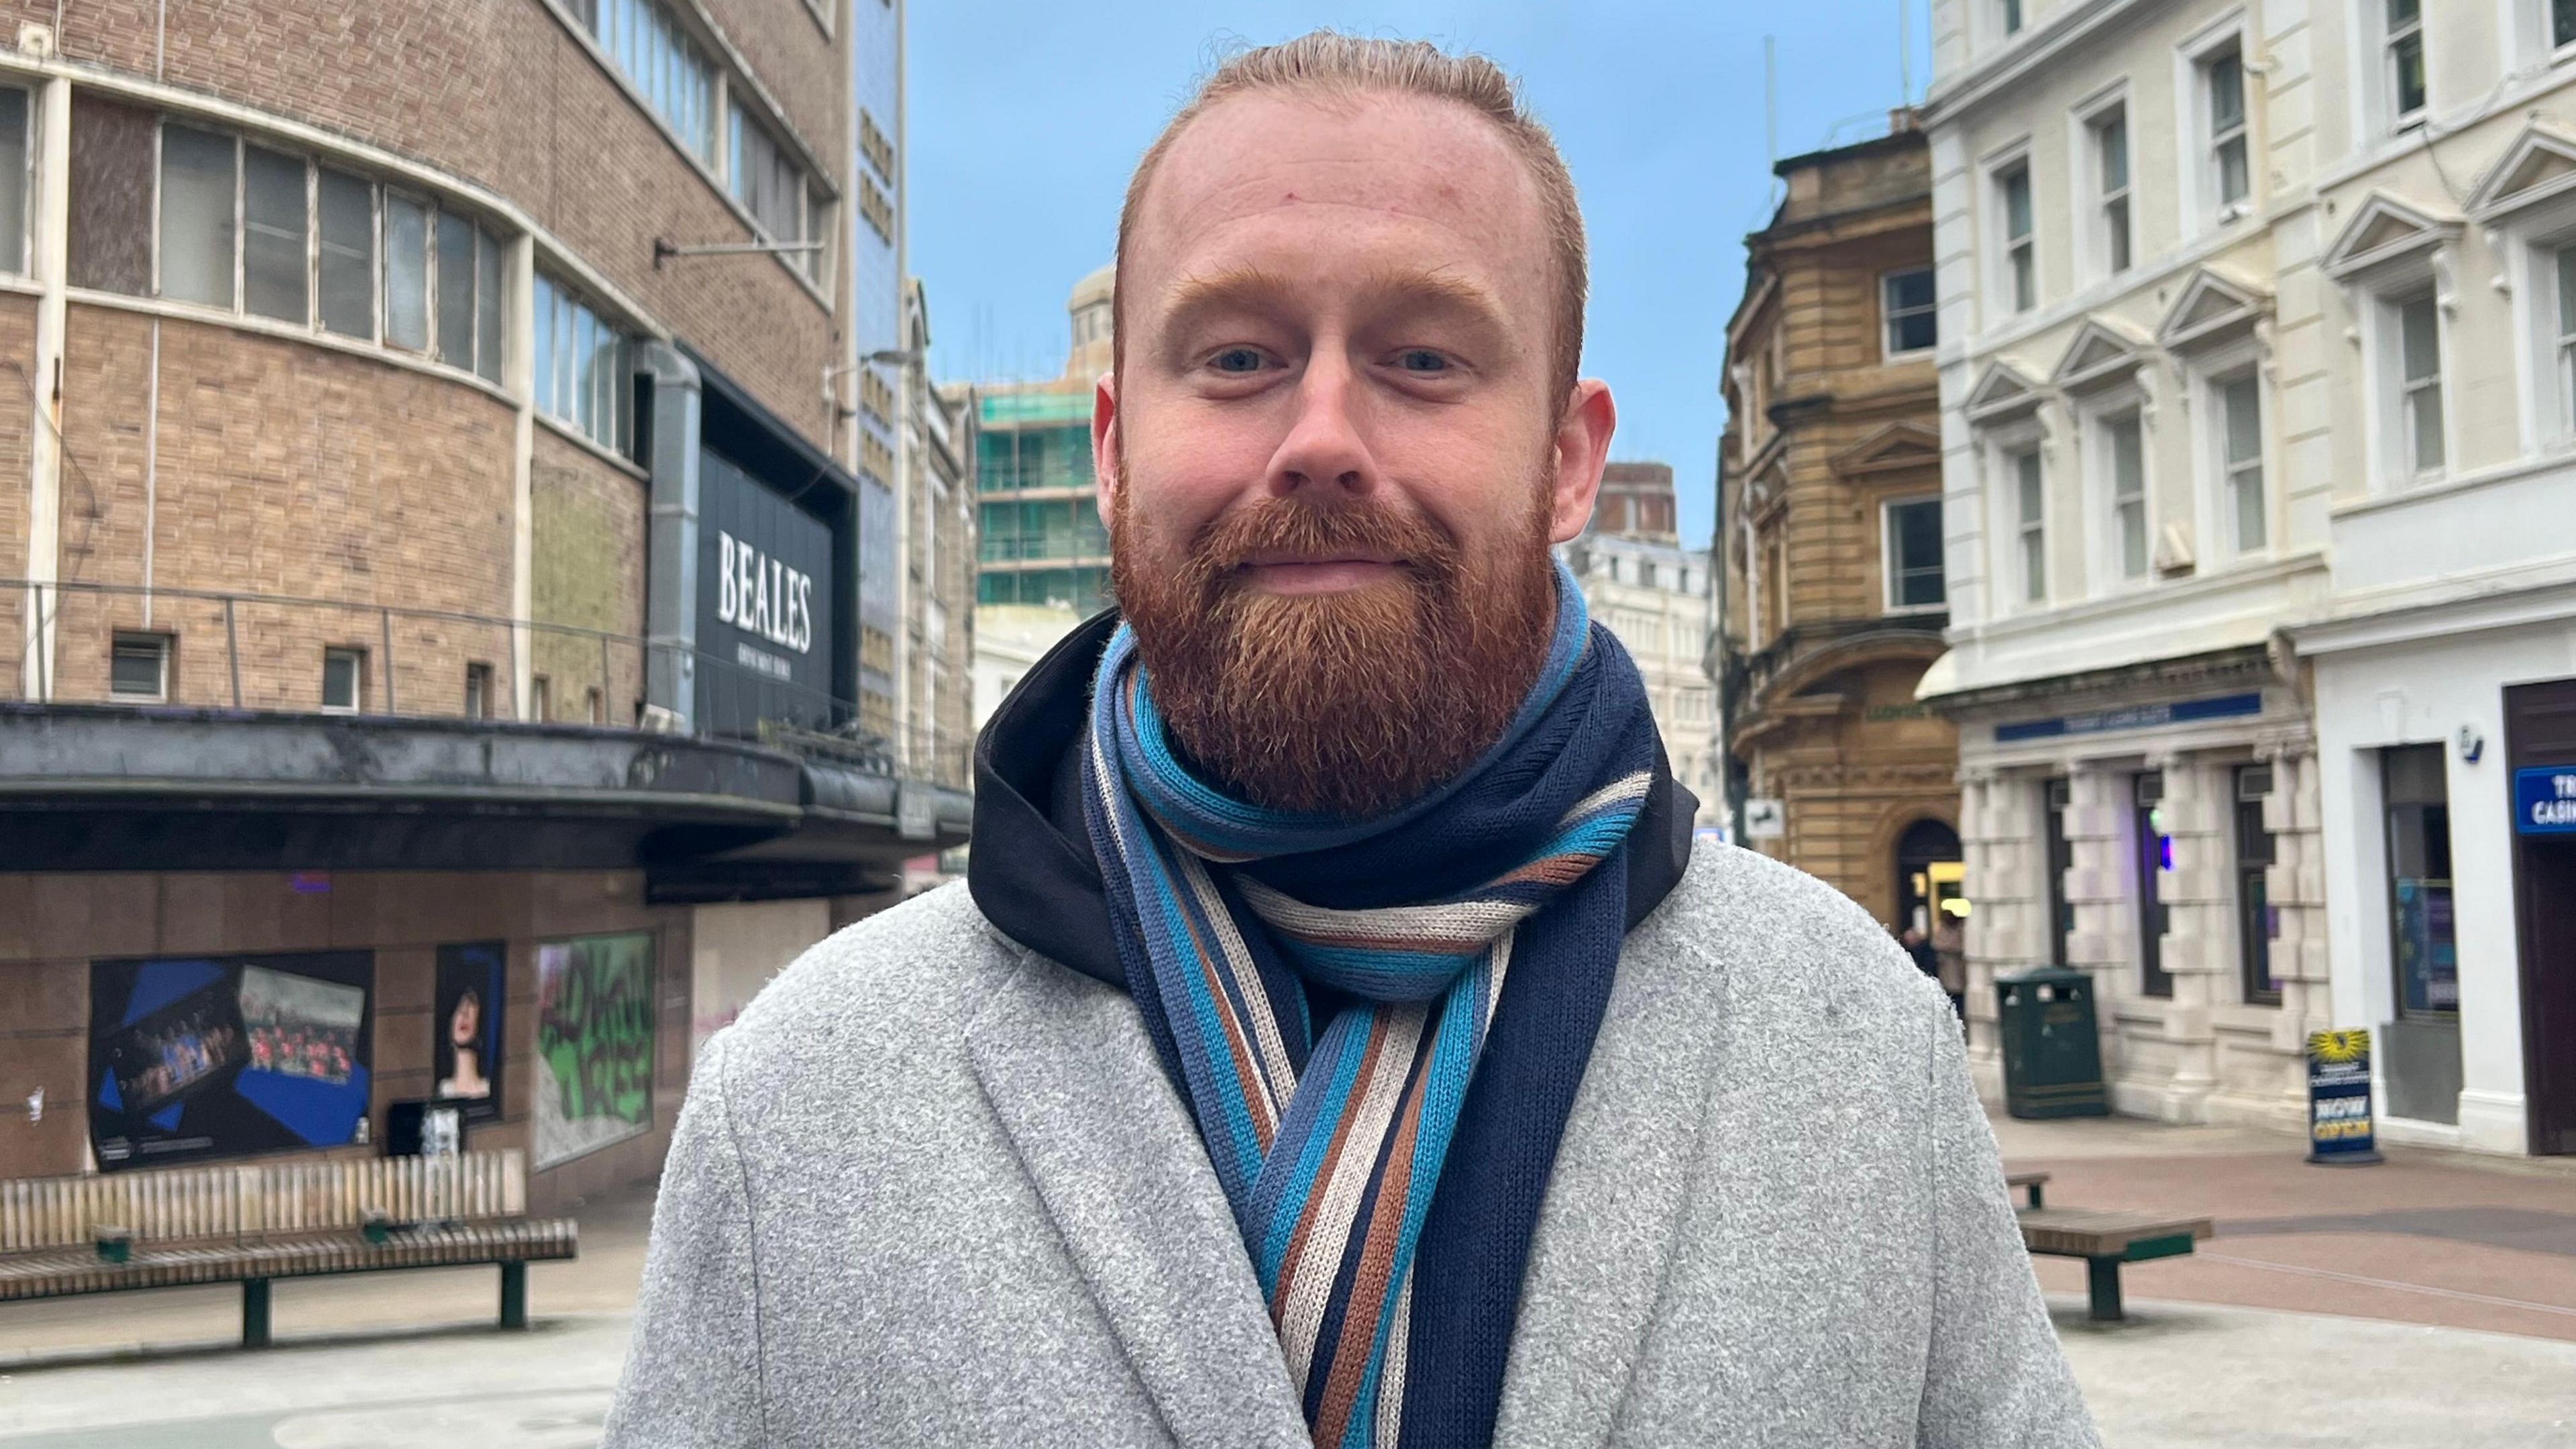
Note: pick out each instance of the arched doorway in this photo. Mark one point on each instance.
(1929, 875)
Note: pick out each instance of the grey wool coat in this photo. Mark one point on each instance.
(934, 1189)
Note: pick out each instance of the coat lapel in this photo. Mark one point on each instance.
(1118, 1163)
(1607, 1227)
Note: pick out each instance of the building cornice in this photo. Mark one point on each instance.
(2064, 29)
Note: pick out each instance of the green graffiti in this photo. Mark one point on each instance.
(595, 1027)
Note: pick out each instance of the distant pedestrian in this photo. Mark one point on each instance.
(1339, 1041)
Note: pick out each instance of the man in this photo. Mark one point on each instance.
(1339, 1042)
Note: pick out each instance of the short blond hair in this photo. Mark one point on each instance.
(1331, 67)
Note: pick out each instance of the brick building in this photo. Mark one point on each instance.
(1829, 534)
(438, 449)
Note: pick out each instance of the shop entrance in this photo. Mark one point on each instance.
(2540, 734)
(1930, 881)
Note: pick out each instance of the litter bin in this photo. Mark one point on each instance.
(2052, 1052)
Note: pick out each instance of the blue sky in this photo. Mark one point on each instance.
(1026, 118)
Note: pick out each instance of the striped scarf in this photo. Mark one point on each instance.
(1240, 926)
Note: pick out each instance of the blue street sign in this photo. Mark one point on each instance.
(2544, 800)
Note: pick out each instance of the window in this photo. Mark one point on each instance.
(771, 186)
(276, 278)
(343, 680)
(199, 176)
(347, 260)
(2566, 350)
(2125, 445)
(541, 697)
(2419, 383)
(2403, 42)
(1911, 534)
(2021, 263)
(320, 247)
(582, 376)
(675, 77)
(2426, 957)
(2032, 530)
(2154, 858)
(478, 691)
(2254, 857)
(2562, 23)
(406, 273)
(2111, 171)
(597, 706)
(2240, 408)
(13, 180)
(2223, 80)
(2011, 14)
(2055, 796)
(1913, 318)
(139, 667)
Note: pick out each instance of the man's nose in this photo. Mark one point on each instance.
(1325, 447)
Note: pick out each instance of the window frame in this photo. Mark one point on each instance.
(2391, 37)
(357, 655)
(2105, 532)
(2254, 934)
(165, 651)
(1890, 313)
(2200, 156)
(2400, 388)
(2389, 806)
(2114, 217)
(2028, 540)
(2224, 508)
(1889, 573)
(2017, 258)
(17, 253)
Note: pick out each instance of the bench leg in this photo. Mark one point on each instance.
(514, 1295)
(2036, 1200)
(2103, 1277)
(254, 1313)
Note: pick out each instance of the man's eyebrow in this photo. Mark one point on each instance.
(1438, 288)
(1235, 287)
(1256, 289)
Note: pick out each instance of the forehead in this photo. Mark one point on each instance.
(1320, 191)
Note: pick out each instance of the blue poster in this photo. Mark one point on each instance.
(2544, 800)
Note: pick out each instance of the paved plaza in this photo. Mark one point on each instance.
(2432, 1298)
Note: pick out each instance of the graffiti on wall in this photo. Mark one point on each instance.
(594, 1057)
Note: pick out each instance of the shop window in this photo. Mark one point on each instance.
(2056, 795)
(2254, 858)
(344, 680)
(139, 668)
(2154, 858)
(2416, 800)
(13, 180)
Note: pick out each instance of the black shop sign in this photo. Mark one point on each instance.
(764, 604)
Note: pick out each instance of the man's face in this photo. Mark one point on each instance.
(1333, 458)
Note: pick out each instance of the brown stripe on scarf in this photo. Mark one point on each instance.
(1265, 1118)
(1377, 1260)
(1324, 1170)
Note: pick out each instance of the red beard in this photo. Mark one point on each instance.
(1345, 704)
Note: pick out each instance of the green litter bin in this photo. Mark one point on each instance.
(2052, 1051)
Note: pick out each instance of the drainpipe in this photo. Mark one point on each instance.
(50, 248)
(671, 545)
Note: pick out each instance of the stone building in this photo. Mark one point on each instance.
(1653, 593)
(1829, 535)
(436, 557)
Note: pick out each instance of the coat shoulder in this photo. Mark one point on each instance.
(1781, 947)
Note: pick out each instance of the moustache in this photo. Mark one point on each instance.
(1295, 527)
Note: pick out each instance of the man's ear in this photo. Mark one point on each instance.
(1104, 447)
(1582, 446)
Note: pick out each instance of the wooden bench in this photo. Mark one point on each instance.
(252, 1223)
(2105, 1240)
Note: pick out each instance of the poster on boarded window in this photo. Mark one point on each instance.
(465, 1053)
(594, 1059)
(195, 1057)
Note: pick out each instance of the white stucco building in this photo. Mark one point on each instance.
(2259, 411)
(1654, 595)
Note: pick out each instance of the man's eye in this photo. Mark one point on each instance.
(1237, 360)
(1421, 359)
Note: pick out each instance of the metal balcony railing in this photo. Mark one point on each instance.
(153, 647)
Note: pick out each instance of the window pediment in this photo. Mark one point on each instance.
(2102, 354)
(2214, 308)
(2386, 234)
(2002, 393)
(2538, 168)
(1891, 448)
